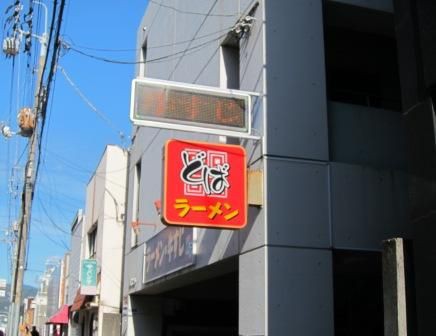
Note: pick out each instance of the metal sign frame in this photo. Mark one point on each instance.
(199, 127)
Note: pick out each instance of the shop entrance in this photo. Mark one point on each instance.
(205, 308)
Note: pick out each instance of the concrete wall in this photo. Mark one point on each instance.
(296, 91)
(326, 185)
(114, 175)
(165, 26)
(76, 255)
(53, 290)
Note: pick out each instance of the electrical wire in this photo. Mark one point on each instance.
(79, 168)
(52, 222)
(59, 243)
(51, 190)
(190, 12)
(90, 104)
(52, 71)
(157, 59)
(195, 80)
(195, 34)
(17, 162)
(78, 46)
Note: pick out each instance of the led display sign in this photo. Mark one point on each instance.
(189, 107)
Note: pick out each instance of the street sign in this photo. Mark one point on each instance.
(189, 107)
(205, 185)
(89, 277)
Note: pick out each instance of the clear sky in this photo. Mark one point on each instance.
(75, 135)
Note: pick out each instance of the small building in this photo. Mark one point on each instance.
(73, 274)
(97, 242)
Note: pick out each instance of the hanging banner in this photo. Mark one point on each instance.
(89, 277)
(205, 185)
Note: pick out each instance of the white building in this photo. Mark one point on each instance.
(100, 237)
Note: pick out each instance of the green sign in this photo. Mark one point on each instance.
(89, 277)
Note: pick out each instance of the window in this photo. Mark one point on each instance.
(361, 57)
(136, 203)
(143, 58)
(92, 242)
(229, 70)
(229, 66)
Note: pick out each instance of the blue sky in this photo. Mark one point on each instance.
(75, 136)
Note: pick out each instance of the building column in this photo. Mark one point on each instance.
(143, 316)
(286, 291)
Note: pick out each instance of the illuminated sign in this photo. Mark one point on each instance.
(204, 185)
(189, 107)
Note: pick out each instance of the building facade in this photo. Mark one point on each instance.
(341, 87)
(98, 235)
(73, 276)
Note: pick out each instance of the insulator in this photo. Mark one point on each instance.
(11, 46)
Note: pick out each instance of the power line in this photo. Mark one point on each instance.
(59, 243)
(192, 40)
(78, 46)
(52, 222)
(90, 104)
(50, 77)
(79, 168)
(75, 166)
(157, 59)
(190, 12)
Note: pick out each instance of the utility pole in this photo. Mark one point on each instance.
(28, 188)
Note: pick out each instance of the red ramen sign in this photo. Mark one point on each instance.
(204, 185)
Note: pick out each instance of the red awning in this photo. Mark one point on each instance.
(61, 317)
(79, 301)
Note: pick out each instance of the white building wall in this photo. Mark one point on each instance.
(76, 255)
(105, 201)
(113, 212)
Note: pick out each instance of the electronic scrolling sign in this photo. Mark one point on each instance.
(189, 107)
(204, 185)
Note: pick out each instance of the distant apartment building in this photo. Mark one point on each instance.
(46, 298)
(76, 254)
(53, 289)
(64, 280)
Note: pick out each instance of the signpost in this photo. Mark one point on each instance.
(89, 277)
(204, 185)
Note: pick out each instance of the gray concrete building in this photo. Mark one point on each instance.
(333, 157)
